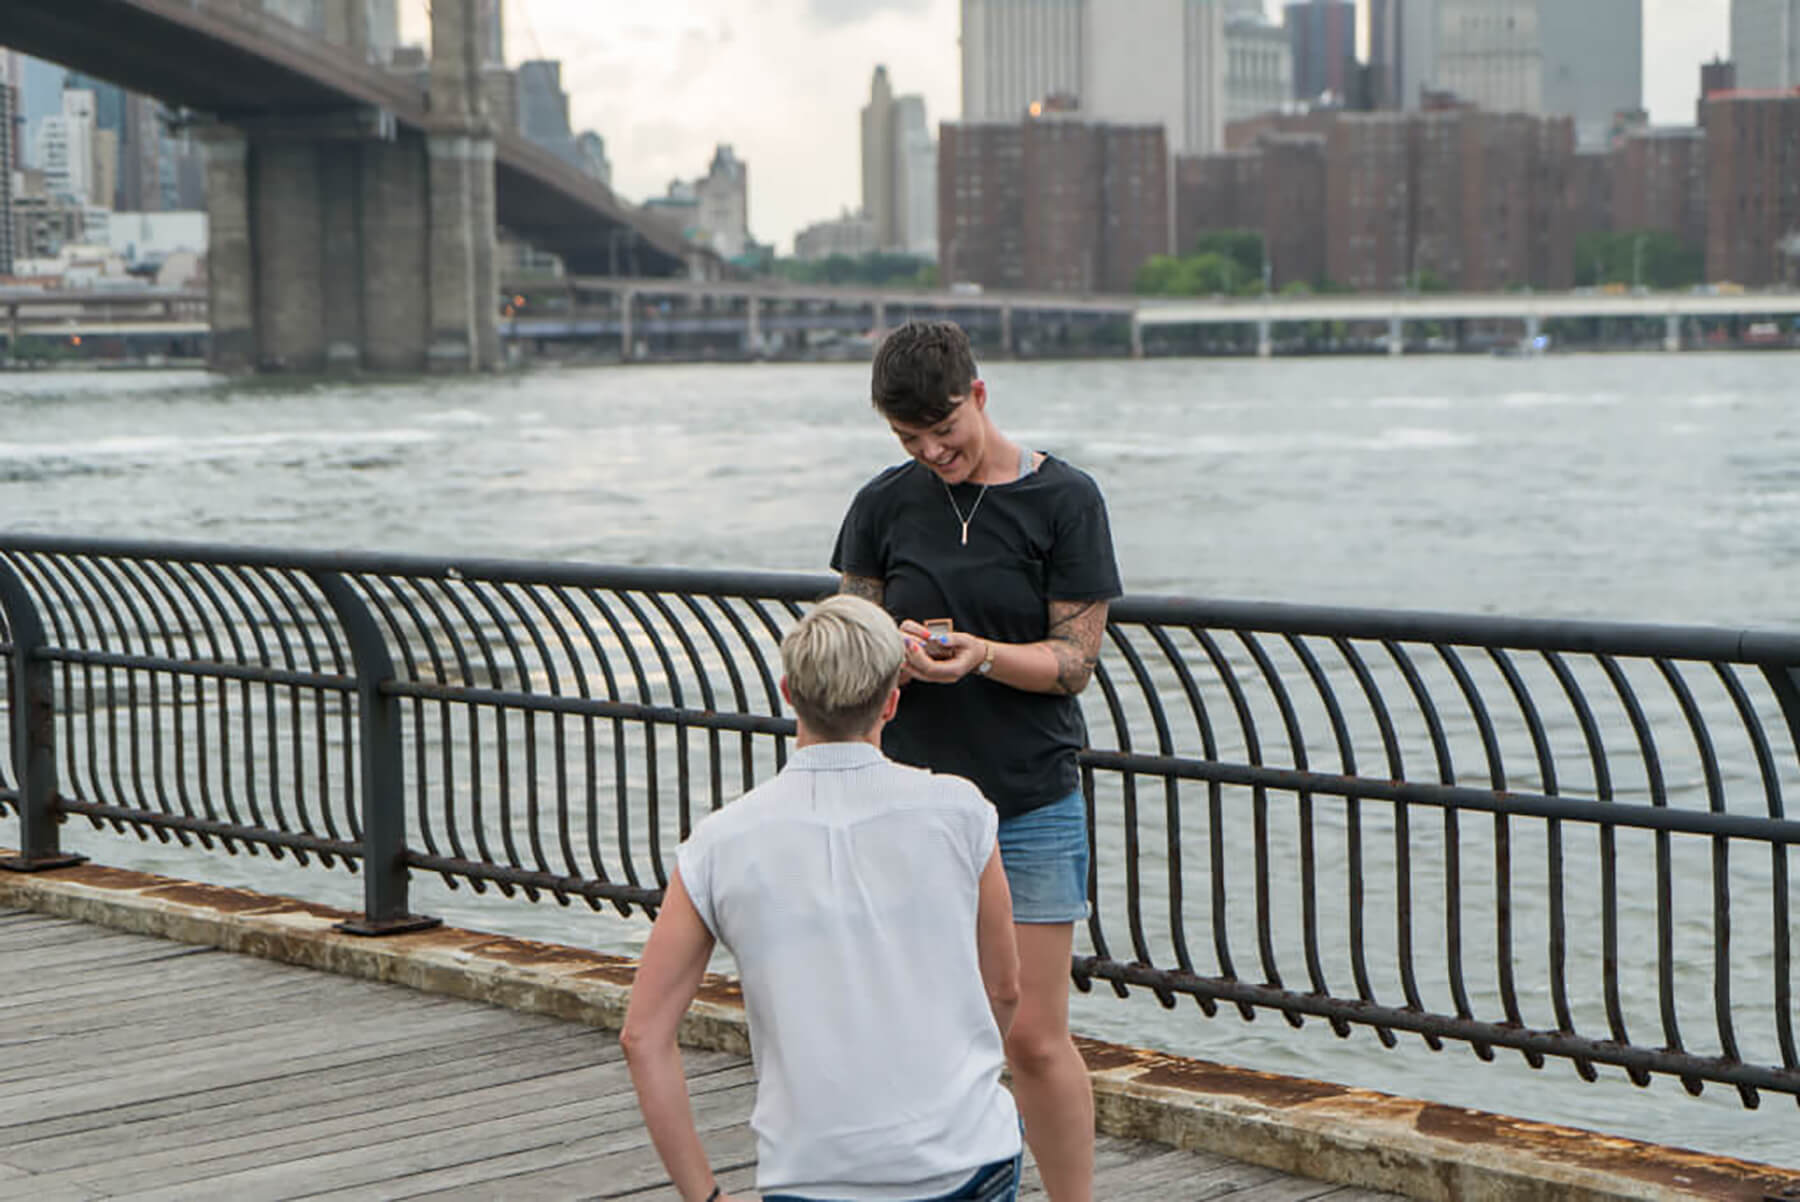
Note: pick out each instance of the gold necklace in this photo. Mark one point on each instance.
(959, 513)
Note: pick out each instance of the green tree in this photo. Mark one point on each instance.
(1652, 258)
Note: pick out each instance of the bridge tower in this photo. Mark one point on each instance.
(327, 231)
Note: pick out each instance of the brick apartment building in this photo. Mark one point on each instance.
(1385, 201)
(1753, 187)
(1659, 183)
(1051, 204)
(1217, 192)
(981, 202)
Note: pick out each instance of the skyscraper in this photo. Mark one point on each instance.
(899, 170)
(1323, 36)
(65, 148)
(1544, 57)
(1015, 52)
(8, 140)
(1593, 63)
(1765, 44)
(1158, 62)
(1403, 49)
(878, 158)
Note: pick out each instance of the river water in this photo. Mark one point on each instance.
(1640, 487)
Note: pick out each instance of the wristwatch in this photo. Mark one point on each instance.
(987, 664)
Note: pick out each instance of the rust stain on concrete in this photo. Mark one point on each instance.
(237, 901)
(1678, 1169)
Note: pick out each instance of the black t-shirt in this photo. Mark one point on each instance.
(1041, 538)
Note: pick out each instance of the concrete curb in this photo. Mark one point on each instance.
(1314, 1129)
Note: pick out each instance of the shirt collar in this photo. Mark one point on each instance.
(828, 757)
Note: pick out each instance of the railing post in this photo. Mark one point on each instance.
(382, 771)
(31, 704)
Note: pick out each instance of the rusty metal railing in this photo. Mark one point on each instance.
(1566, 839)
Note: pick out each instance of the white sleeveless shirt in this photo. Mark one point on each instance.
(846, 888)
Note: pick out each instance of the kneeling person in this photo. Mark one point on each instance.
(865, 905)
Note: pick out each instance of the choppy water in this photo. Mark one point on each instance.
(1661, 488)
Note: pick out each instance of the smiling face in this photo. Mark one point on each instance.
(954, 446)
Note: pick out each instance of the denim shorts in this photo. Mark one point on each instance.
(996, 1182)
(1045, 854)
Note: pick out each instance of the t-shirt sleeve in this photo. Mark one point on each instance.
(1082, 566)
(695, 865)
(858, 548)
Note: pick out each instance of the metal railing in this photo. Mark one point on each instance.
(1563, 838)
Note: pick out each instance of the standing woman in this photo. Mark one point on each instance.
(1013, 547)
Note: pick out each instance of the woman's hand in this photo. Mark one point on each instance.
(941, 658)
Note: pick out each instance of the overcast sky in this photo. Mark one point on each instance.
(783, 81)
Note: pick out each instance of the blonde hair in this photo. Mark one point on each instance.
(841, 660)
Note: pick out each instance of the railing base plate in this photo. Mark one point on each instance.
(404, 925)
(40, 864)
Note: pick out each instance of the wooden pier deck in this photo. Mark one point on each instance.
(132, 1067)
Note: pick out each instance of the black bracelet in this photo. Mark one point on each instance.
(714, 1196)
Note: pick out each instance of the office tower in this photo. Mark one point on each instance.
(1323, 36)
(1543, 57)
(878, 158)
(723, 197)
(1593, 65)
(1765, 44)
(1017, 52)
(544, 108)
(915, 179)
(8, 157)
(1753, 188)
(590, 149)
(1158, 62)
(1403, 49)
(1259, 66)
(65, 148)
(899, 170)
(383, 29)
(1491, 53)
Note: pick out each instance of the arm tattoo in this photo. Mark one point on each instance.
(866, 587)
(1076, 628)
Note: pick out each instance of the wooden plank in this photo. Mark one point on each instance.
(478, 1059)
(132, 1067)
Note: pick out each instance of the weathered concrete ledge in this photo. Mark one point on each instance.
(1311, 1128)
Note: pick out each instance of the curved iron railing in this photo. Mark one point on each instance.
(1563, 838)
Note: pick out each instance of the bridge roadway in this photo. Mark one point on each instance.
(595, 308)
(245, 66)
(139, 1068)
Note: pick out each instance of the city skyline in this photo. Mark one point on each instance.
(783, 81)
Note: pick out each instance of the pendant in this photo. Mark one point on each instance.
(965, 528)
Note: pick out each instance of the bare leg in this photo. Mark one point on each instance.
(1049, 1078)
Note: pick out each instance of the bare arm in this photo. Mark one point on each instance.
(668, 976)
(866, 587)
(995, 945)
(1062, 662)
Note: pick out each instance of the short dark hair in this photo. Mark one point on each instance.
(920, 371)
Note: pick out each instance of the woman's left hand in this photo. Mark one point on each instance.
(966, 653)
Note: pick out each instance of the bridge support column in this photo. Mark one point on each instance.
(1137, 335)
(1265, 339)
(1534, 329)
(627, 301)
(1006, 330)
(464, 285)
(230, 283)
(753, 338)
(1396, 335)
(878, 330)
(1672, 332)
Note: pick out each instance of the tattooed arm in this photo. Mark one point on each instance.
(866, 587)
(1062, 662)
